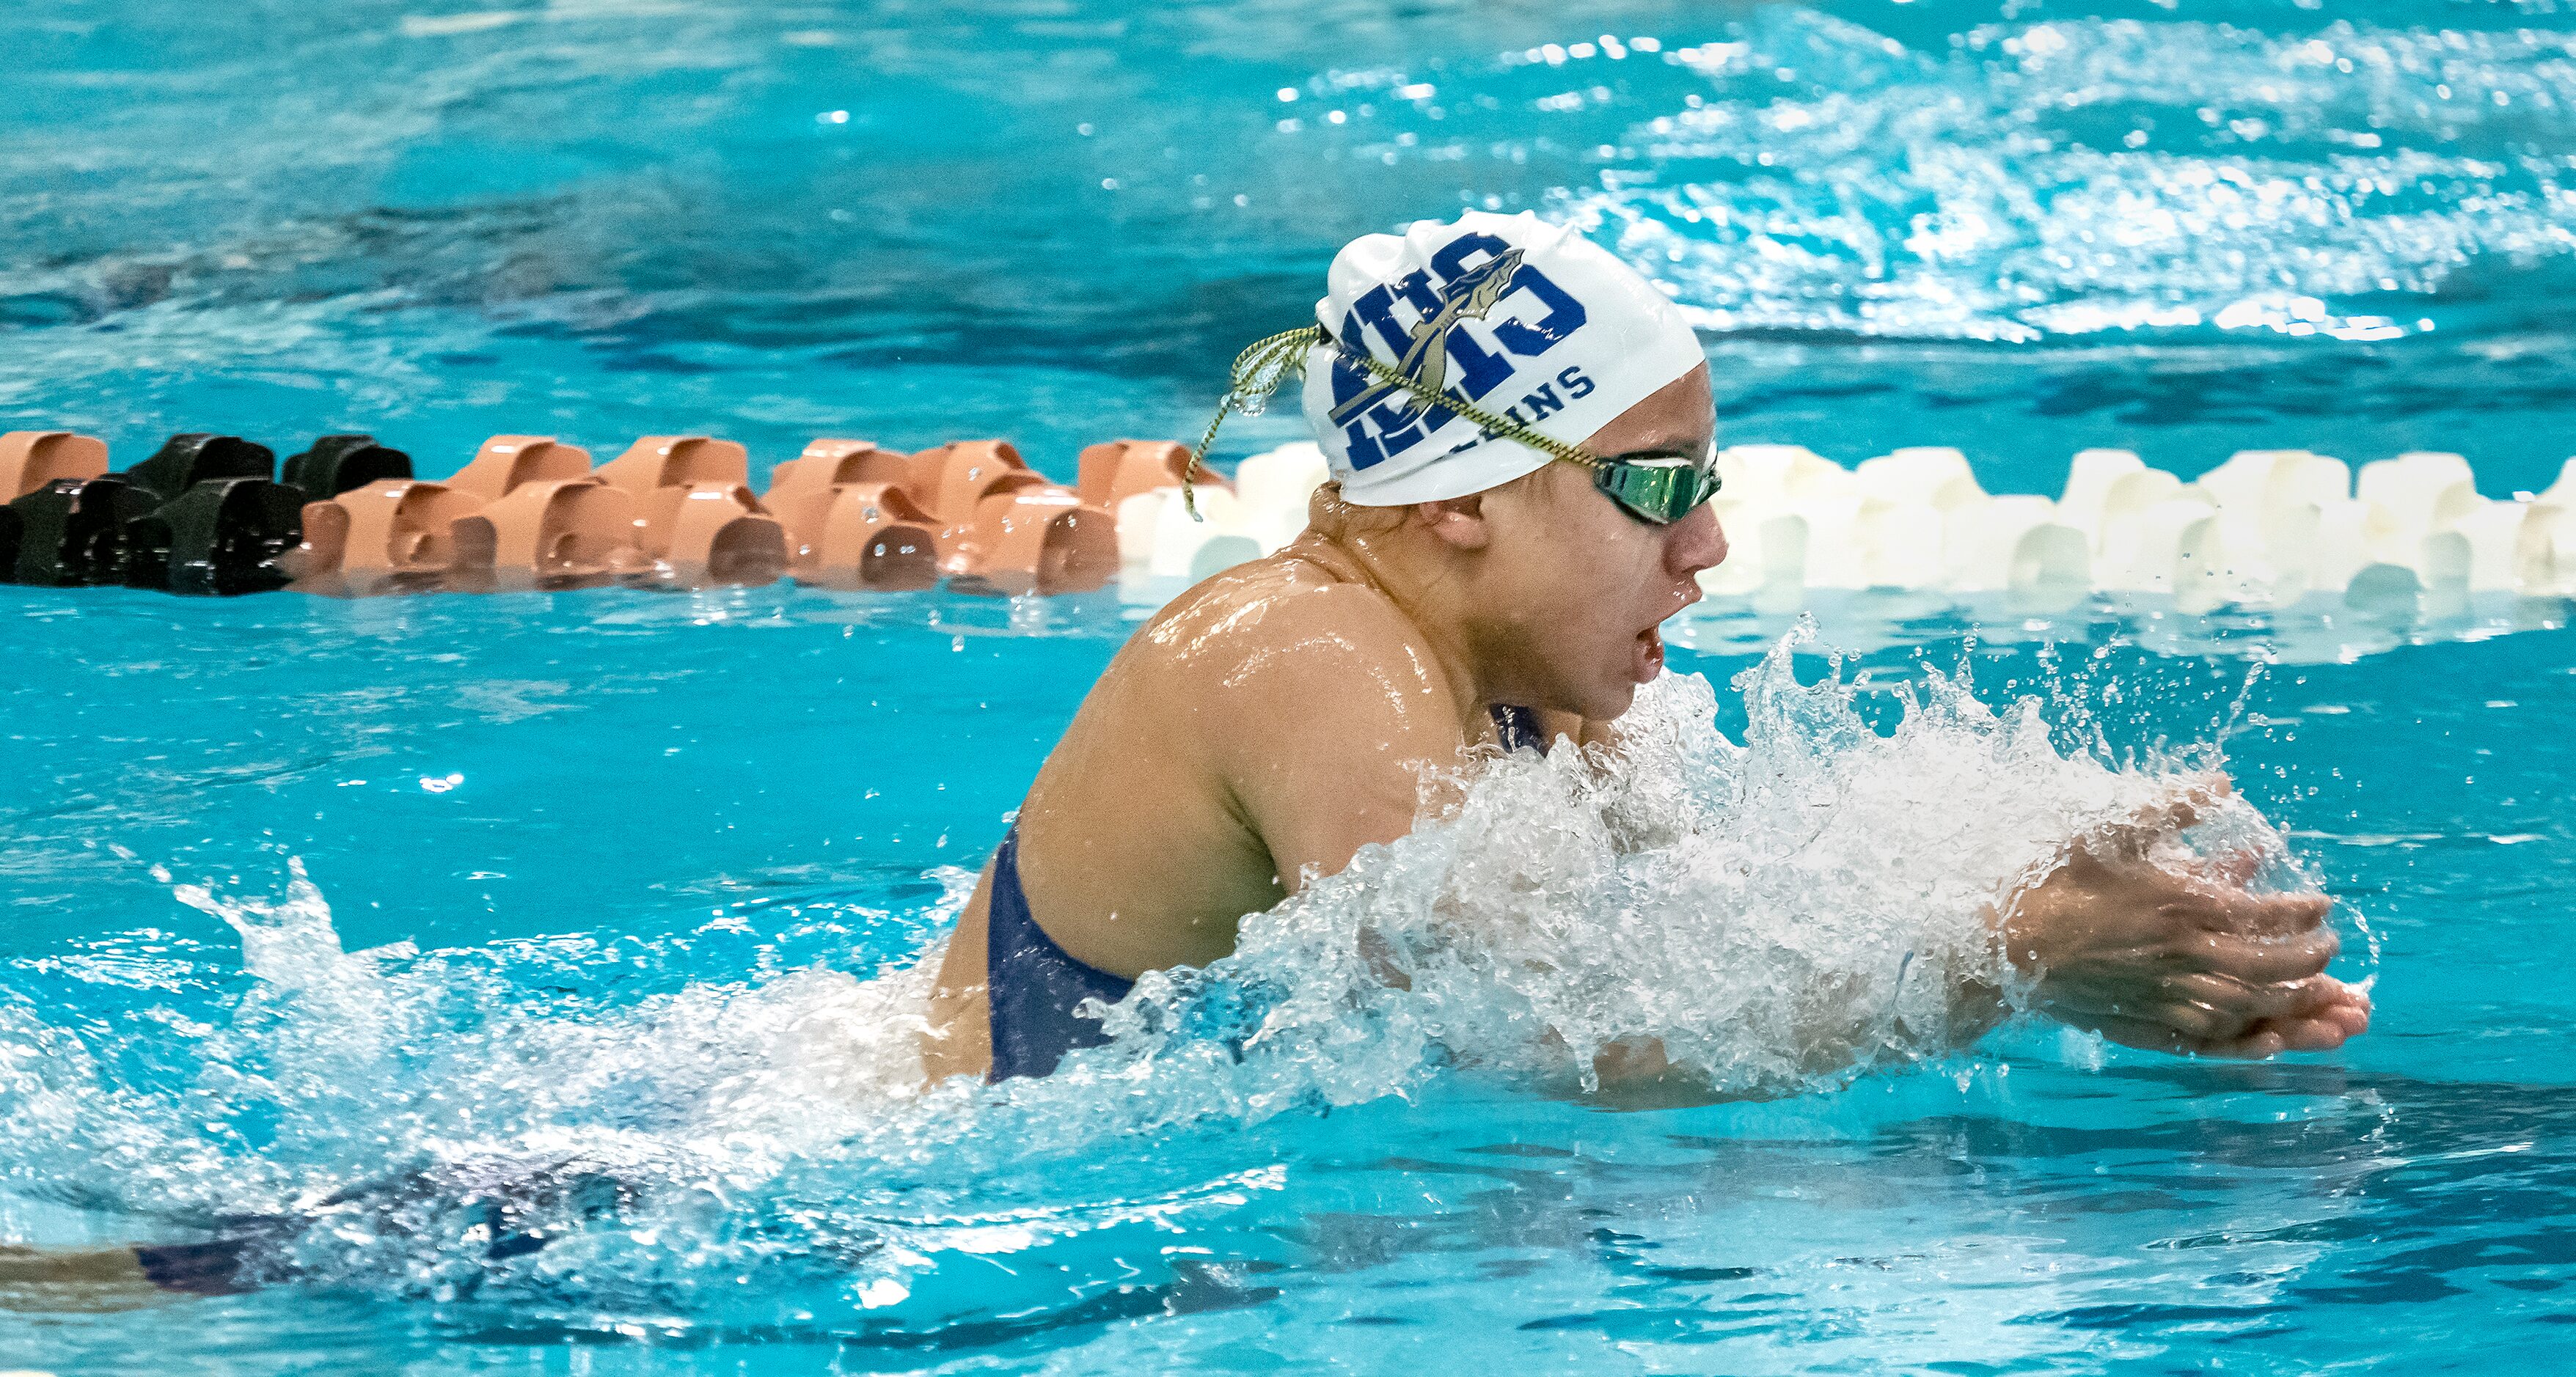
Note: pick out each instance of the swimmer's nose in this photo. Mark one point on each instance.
(1694, 543)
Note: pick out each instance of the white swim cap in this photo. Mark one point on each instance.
(1519, 317)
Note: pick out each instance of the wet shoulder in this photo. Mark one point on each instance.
(1286, 625)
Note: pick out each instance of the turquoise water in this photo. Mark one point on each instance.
(596, 877)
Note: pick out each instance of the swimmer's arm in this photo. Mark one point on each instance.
(2196, 964)
(1333, 768)
(2112, 943)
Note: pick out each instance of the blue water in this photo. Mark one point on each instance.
(614, 855)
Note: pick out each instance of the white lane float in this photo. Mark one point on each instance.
(2267, 529)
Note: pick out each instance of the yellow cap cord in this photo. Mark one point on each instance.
(1259, 371)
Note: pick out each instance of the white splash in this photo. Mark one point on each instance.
(1775, 916)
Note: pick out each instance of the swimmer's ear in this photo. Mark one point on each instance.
(1457, 521)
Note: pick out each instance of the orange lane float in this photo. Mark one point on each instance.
(548, 533)
(696, 517)
(676, 461)
(547, 521)
(951, 481)
(506, 461)
(1005, 528)
(393, 535)
(850, 521)
(1115, 470)
(711, 533)
(367, 526)
(866, 535)
(29, 459)
(830, 463)
(530, 512)
(525, 512)
(32, 461)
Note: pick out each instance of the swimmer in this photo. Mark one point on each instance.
(1487, 580)
(1521, 435)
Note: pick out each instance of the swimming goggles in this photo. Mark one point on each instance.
(1659, 488)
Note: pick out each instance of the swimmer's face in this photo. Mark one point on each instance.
(1577, 586)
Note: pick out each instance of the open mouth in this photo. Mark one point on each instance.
(1650, 655)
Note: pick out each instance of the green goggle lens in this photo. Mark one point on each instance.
(1662, 491)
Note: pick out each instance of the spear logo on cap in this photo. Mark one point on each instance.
(1468, 296)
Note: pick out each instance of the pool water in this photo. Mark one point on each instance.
(306, 895)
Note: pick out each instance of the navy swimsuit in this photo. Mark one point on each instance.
(1032, 985)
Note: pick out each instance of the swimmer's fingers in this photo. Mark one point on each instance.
(2314, 1015)
(2315, 1034)
(2341, 1011)
(2260, 1043)
(2235, 868)
(2240, 913)
(2255, 960)
(2183, 806)
(2206, 1007)
(2219, 1008)
(2322, 1034)
(2160, 1023)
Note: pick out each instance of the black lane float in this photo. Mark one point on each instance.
(203, 515)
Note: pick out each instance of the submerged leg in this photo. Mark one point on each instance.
(82, 1279)
(502, 1211)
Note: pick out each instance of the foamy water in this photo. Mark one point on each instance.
(1779, 915)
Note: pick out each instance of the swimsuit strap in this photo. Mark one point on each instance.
(1518, 728)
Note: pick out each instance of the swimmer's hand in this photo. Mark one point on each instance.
(2192, 964)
